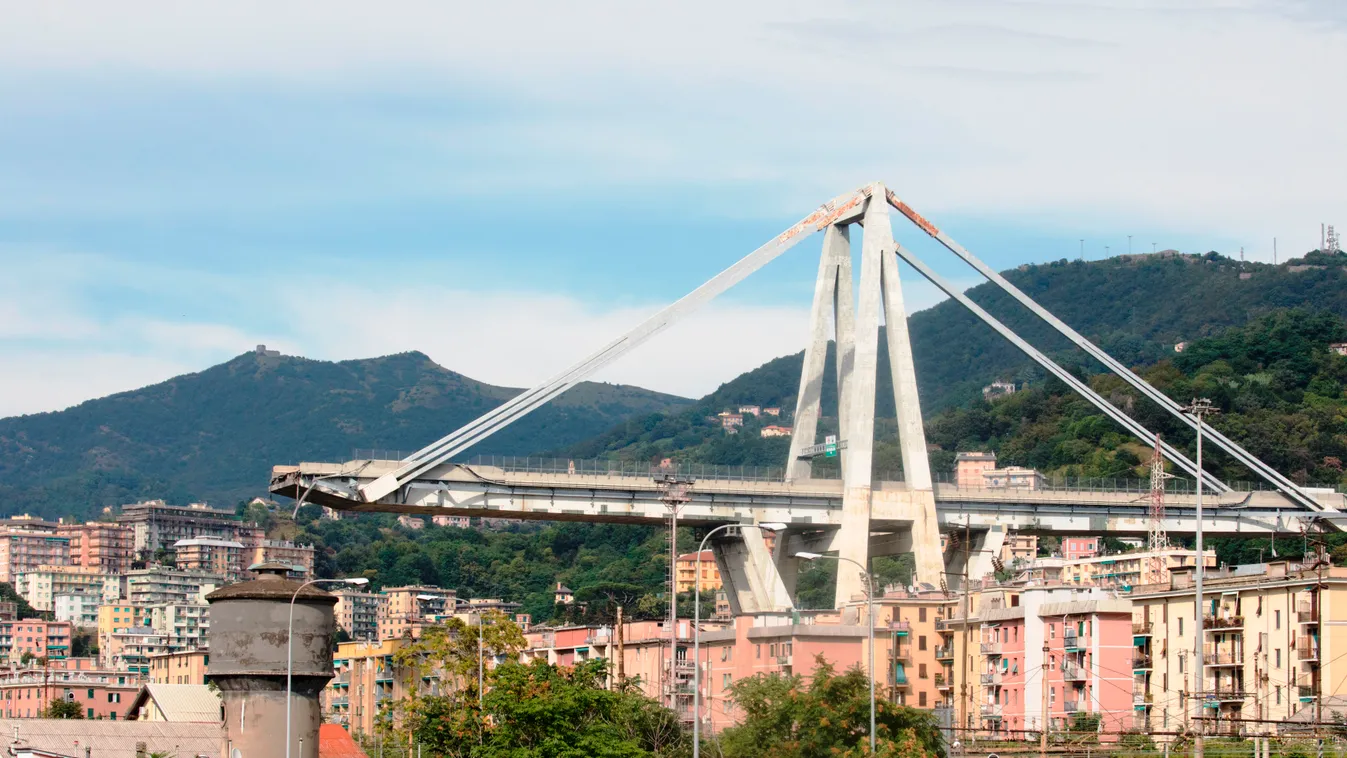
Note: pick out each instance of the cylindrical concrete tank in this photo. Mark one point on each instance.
(248, 639)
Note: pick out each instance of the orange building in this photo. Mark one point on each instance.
(412, 607)
(104, 546)
(22, 550)
(188, 667)
(686, 572)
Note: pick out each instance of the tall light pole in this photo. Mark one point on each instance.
(290, 647)
(1129, 244)
(870, 622)
(697, 632)
(1197, 409)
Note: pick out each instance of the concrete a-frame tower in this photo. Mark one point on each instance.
(910, 512)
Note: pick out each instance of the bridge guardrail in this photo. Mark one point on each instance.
(618, 467)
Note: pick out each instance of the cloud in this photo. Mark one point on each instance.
(503, 337)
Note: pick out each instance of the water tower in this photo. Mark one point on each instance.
(248, 662)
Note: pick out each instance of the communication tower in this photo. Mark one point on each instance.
(1156, 539)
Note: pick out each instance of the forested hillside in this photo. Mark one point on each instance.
(215, 435)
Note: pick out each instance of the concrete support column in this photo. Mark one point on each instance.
(836, 247)
(986, 543)
(749, 576)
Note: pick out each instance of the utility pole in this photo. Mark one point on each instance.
(1129, 244)
(621, 664)
(674, 494)
(1198, 409)
(1044, 720)
(963, 663)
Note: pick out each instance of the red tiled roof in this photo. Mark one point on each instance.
(334, 742)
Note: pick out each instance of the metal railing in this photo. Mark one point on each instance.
(1141, 662)
(944, 652)
(1073, 673)
(1210, 622)
(1071, 706)
(1308, 648)
(1140, 628)
(991, 648)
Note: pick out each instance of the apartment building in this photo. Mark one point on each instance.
(26, 693)
(188, 667)
(687, 567)
(34, 638)
(23, 550)
(357, 613)
(367, 681)
(80, 610)
(157, 526)
(1019, 547)
(215, 556)
(969, 468)
(412, 607)
(1126, 570)
(160, 584)
(186, 625)
(41, 585)
(1076, 548)
(1271, 639)
(130, 649)
(115, 616)
(100, 545)
(289, 553)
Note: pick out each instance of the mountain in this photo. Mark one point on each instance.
(215, 435)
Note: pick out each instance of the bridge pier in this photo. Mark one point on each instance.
(973, 558)
(749, 575)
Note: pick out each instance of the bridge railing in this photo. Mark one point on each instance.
(615, 467)
(607, 467)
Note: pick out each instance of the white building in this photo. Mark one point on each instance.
(79, 610)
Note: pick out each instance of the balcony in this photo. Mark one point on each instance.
(1141, 629)
(339, 702)
(991, 648)
(1141, 662)
(1071, 706)
(1073, 673)
(1308, 648)
(944, 653)
(900, 627)
(1306, 614)
(1306, 693)
(1142, 699)
(943, 625)
(1071, 642)
(903, 653)
(941, 683)
(1223, 657)
(899, 677)
(1213, 623)
(991, 711)
(992, 680)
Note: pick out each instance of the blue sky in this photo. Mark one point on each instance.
(507, 187)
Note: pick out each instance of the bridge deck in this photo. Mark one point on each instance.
(631, 497)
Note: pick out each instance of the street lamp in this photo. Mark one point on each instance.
(290, 647)
(1199, 409)
(696, 631)
(870, 622)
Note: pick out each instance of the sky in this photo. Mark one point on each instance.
(507, 186)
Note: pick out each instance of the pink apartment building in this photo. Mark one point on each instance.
(970, 467)
(1074, 548)
(1077, 643)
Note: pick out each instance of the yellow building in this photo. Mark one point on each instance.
(410, 608)
(685, 572)
(915, 675)
(1131, 569)
(1019, 547)
(367, 681)
(179, 668)
(1273, 642)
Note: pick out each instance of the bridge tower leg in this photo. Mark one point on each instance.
(750, 577)
(857, 334)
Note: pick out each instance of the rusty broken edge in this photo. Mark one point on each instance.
(913, 216)
(827, 213)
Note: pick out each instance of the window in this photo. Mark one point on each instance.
(1278, 657)
(1279, 694)
(921, 615)
(1052, 631)
(921, 670)
(921, 699)
(757, 651)
(1277, 618)
(921, 642)
(1052, 695)
(725, 681)
(91, 713)
(91, 694)
(1164, 682)
(1181, 664)
(1180, 626)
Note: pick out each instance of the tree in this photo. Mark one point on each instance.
(451, 649)
(63, 709)
(784, 718)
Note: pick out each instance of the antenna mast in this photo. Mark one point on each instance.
(1157, 540)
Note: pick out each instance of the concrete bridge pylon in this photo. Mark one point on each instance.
(854, 323)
